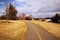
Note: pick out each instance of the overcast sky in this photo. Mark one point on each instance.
(38, 8)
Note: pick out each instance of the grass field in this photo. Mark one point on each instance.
(14, 30)
(52, 28)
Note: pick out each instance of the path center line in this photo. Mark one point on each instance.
(37, 32)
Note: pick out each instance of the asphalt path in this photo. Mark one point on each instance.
(35, 32)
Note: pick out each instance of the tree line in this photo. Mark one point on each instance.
(12, 12)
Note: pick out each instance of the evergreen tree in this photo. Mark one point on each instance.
(12, 12)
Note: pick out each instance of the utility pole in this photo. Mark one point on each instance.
(7, 11)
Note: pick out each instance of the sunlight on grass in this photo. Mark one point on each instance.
(15, 30)
(52, 28)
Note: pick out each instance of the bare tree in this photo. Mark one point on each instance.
(7, 10)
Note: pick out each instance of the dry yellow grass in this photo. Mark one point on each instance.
(52, 28)
(15, 30)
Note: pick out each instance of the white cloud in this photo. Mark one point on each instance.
(1, 2)
(2, 11)
(38, 6)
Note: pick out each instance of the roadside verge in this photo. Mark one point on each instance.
(15, 30)
(52, 28)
